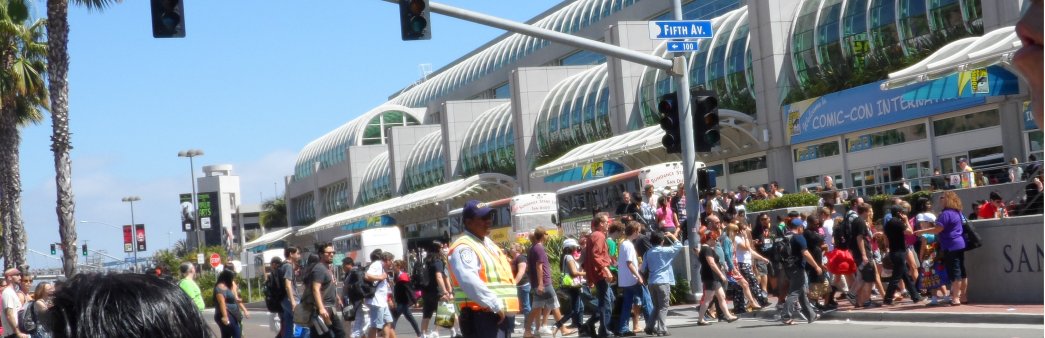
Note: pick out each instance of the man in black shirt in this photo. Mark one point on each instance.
(435, 288)
(626, 210)
(795, 268)
(286, 275)
(861, 250)
(895, 230)
(320, 292)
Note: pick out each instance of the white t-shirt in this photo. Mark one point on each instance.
(743, 256)
(380, 298)
(829, 238)
(10, 301)
(625, 255)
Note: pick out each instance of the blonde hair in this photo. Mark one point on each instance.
(948, 199)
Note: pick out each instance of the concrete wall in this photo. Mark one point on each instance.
(1008, 268)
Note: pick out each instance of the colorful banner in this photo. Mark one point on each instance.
(140, 236)
(587, 172)
(128, 239)
(371, 222)
(869, 106)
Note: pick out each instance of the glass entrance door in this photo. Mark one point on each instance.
(863, 182)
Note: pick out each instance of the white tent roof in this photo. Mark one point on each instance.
(269, 238)
(610, 148)
(440, 193)
(995, 47)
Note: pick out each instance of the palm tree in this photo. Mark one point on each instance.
(273, 214)
(22, 96)
(58, 85)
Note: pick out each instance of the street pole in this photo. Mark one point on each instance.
(689, 161)
(191, 153)
(134, 229)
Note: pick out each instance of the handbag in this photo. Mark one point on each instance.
(971, 237)
(348, 313)
(303, 315)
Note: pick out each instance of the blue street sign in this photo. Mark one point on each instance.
(692, 29)
(682, 46)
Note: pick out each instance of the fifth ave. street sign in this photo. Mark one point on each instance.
(691, 29)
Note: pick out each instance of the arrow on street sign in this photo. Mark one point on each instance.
(682, 46)
(691, 29)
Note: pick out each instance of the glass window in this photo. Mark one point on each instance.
(946, 17)
(972, 11)
(914, 27)
(802, 54)
(829, 49)
(582, 58)
(854, 32)
(754, 163)
(502, 91)
(816, 151)
(1034, 143)
(885, 138)
(966, 122)
(884, 36)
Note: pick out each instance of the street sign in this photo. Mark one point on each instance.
(199, 258)
(682, 46)
(215, 260)
(691, 29)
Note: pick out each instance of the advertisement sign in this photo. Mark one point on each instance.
(869, 106)
(208, 211)
(128, 239)
(188, 213)
(533, 203)
(140, 237)
(371, 222)
(587, 172)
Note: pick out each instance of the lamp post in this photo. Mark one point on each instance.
(134, 228)
(195, 206)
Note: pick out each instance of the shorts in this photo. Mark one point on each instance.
(429, 303)
(866, 273)
(762, 268)
(954, 261)
(379, 317)
(547, 300)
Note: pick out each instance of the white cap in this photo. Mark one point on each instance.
(925, 217)
(570, 242)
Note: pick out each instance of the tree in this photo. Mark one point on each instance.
(22, 96)
(61, 143)
(274, 214)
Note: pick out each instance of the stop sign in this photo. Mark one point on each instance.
(215, 260)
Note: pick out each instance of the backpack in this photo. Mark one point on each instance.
(782, 250)
(419, 275)
(842, 233)
(275, 291)
(356, 286)
(27, 317)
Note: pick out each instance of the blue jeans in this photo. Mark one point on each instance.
(523, 291)
(233, 330)
(286, 321)
(604, 298)
(576, 309)
(630, 292)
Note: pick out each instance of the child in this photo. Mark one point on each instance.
(934, 276)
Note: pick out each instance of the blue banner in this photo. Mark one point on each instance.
(371, 222)
(869, 106)
(587, 172)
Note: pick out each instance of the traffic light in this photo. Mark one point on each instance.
(705, 121)
(54, 251)
(413, 19)
(670, 122)
(85, 249)
(168, 19)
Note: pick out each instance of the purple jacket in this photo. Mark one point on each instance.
(951, 236)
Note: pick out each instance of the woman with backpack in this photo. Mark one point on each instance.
(43, 298)
(403, 295)
(571, 268)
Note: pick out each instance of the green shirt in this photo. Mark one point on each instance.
(193, 291)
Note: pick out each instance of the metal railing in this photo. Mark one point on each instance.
(984, 176)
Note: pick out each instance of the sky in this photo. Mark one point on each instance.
(250, 85)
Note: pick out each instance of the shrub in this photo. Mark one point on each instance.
(680, 291)
(786, 201)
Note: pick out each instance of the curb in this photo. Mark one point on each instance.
(896, 316)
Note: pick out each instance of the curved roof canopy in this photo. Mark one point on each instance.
(489, 144)
(330, 148)
(995, 47)
(269, 238)
(450, 193)
(424, 165)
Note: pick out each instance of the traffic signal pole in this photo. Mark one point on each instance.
(677, 67)
(689, 163)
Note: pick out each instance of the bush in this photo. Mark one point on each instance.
(680, 291)
(786, 201)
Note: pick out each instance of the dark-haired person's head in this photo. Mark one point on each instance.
(186, 268)
(656, 238)
(123, 305)
(313, 259)
(434, 247)
(376, 255)
(348, 261)
(226, 277)
(291, 253)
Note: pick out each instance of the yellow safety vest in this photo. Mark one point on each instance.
(494, 271)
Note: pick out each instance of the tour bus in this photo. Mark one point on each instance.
(515, 217)
(358, 245)
(579, 203)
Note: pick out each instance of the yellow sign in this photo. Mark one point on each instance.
(979, 81)
(500, 235)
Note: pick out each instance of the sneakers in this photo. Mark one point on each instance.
(544, 331)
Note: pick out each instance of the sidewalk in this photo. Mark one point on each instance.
(907, 312)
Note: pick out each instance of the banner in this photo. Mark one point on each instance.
(208, 211)
(188, 213)
(587, 172)
(869, 106)
(141, 237)
(128, 239)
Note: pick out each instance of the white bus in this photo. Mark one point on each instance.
(579, 203)
(359, 245)
(515, 217)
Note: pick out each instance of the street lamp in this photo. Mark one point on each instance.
(196, 208)
(134, 228)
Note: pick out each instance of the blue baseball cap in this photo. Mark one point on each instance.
(475, 209)
(797, 222)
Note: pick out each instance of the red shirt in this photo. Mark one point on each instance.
(596, 257)
(988, 210)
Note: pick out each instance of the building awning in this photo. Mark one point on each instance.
(269, 238)
(611, 148)
(445, 193)
(995, 47)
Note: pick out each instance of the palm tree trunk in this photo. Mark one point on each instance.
(58, 69)
(7, 127)
(14, 242)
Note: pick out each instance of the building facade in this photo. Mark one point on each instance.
(804, 87)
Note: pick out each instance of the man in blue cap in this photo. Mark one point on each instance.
(483, 283)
